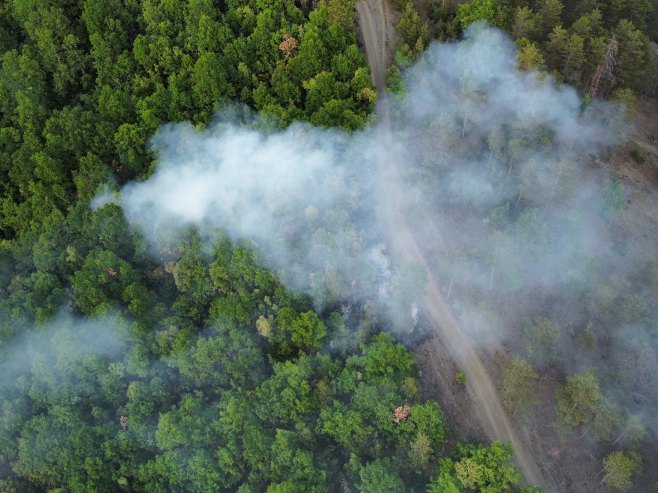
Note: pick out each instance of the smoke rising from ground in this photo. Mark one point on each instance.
(494, 168)
(272, 189)
(471, 133)
(493, 171)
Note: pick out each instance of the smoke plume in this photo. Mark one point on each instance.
(495, 171)
(470, 135)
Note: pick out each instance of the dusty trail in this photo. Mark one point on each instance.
(376, 27)
(374, 23)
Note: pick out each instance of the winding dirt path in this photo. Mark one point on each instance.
(375, 25)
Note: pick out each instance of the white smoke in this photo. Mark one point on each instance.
(309, 199)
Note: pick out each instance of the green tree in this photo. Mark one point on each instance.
(619, 468)
(292, 468)
(341, 12)
(231, 358)
(479, 468)
(517, 386)
(578, 399)
(634, 61)
(566, 53)
(382, 358)
(549, 13)
(444, 483)
(380, 476)
(90, 176)
(413, 31)
(529, 55)
(526, 23)
(632, 431)
(101, 281)
(297, 332)
(477, 10)
(287, 396)
(420, 451)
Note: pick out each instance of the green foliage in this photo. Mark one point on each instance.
(341, 12)
(379, 476)
(529, 56)
(526, 23)
(477, 468)
(517, 386)
(221, 384)
(413, 31)
(84, 87)
(297, 333)
(619, 468)
(222, 380)
(102, 279)
(566, 53)
(628, 99)
(214, 416)
(579, 399)
(383, 358)
(632, 431)
(445, 483)
(571, 38)
(477, 10)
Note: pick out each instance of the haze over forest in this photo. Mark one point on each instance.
(321, 246)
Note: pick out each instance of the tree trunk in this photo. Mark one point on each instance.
(519, 198)
(491, 275)
(509, 170)
(620, 435)
(557, 182)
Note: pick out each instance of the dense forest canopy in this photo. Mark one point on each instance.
(567, 39)
(197, 369)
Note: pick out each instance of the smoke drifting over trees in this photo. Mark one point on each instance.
(498, 184)
(520, 230)
(492, 160)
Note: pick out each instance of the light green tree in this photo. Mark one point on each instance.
(529, 55)
(477, 10)
(619, 468)
(578, 399)
(517, 386)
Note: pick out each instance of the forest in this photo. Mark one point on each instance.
(198, 359)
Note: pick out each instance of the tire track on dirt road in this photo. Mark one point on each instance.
(374, 19)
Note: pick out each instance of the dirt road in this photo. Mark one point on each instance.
(375, 24)
(378, 35)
